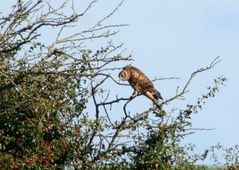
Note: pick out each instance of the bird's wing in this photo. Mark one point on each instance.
(139, 78)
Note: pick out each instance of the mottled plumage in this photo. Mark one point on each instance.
(140, 82)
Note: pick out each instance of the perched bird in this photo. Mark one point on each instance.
(139, 82)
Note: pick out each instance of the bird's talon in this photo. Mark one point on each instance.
(134, 94)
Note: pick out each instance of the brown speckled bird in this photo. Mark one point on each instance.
(139, 82)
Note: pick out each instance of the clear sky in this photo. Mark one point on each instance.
(176, 37)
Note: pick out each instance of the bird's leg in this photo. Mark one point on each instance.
(134, 94)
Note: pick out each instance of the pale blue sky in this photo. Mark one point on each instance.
(174, 38)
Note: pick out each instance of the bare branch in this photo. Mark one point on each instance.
(212, 64)
(180, 94)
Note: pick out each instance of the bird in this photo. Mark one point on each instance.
(140, 83)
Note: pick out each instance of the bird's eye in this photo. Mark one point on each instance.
(122, 74)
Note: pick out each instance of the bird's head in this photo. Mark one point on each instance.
(125, 73)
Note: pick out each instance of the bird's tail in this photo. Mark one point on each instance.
(156, 94)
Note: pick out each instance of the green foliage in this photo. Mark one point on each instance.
(43, 92)
(37, 110)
